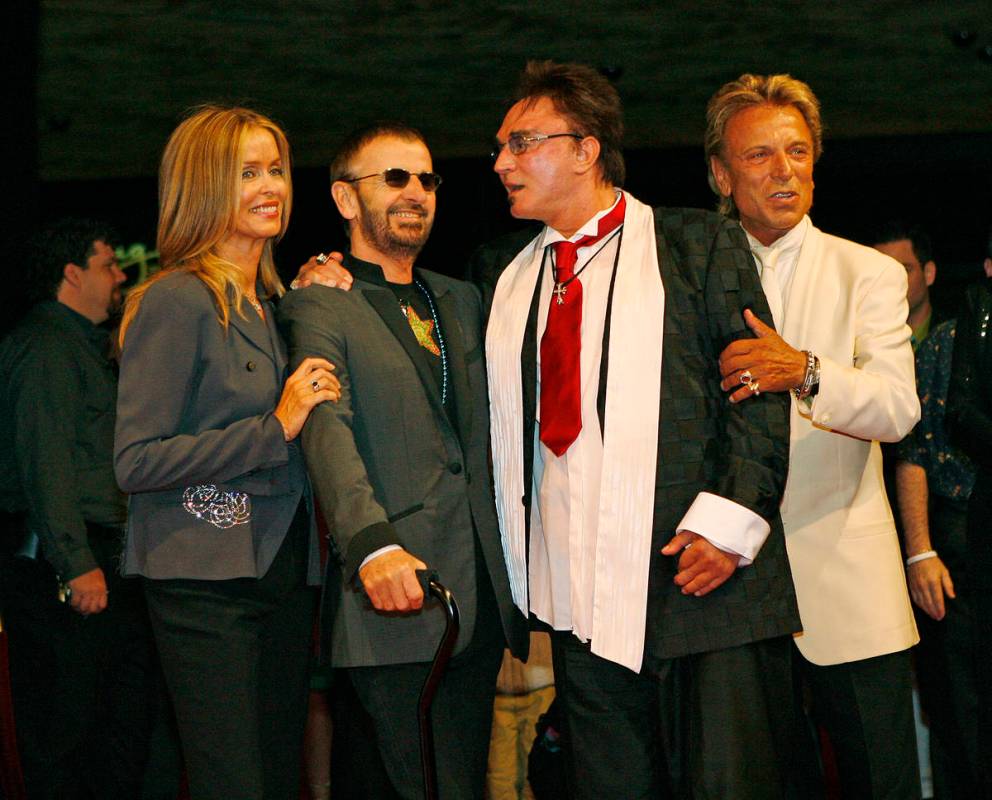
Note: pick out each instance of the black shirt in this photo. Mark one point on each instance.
(58, 398)
(419, 308)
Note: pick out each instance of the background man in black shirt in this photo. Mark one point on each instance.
(80, 669)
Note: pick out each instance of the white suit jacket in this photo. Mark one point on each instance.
(847, 304)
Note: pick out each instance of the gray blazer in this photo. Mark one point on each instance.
(213, 484)
(389, 465)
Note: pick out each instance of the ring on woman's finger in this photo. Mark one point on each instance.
(322, 258)
(315, 384)
(745, 377)
(755, 387)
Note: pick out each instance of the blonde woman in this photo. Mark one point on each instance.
(220, 522)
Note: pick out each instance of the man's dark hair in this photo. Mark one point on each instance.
(356, 140)
(587, 100)
(896, 230)
(66, 241)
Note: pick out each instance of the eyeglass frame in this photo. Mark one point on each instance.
(437, 179)
(520, 143)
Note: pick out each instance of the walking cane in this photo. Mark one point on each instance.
(431, 585)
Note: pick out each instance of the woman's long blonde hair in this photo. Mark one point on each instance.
(199, 189)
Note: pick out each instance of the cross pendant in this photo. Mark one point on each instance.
(559, 293)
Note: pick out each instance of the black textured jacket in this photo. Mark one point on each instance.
(705, 443)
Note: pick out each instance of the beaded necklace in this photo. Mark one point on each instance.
(440, 336)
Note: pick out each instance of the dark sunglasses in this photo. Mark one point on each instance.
(398, 178)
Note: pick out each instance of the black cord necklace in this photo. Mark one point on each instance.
(561, 287)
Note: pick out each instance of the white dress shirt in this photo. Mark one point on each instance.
(786, 251)
(564, 520)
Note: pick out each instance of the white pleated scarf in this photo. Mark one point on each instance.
(630, 442)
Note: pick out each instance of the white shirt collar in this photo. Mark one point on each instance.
(590, 228)
(787, 246)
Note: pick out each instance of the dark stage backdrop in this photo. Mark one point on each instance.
(943, 182)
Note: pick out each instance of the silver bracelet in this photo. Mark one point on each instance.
(921, 557)
(802, 391)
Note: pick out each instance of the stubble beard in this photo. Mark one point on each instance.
(376, 229)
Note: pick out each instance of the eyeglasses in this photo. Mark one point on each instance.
(398, 178)
(519, 143)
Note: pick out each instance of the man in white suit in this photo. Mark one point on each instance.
(844, 353)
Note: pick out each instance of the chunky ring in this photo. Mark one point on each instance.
(754, 386)
(322, 258)
(746, 377)
(315, 384)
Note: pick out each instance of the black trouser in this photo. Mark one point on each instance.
(82, 687)
(357, 771)
(235, 654)
(866, 708)
(462, 712)
(710, 725)
(979, 573)
(945, 664)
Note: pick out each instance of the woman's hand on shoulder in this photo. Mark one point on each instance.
(312, 383)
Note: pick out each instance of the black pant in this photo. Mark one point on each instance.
(357, 771)
(979, 573)
(82, 687)
(711, 725)
(462, 712)
(235, 654)
(945, 665)
(866, 708)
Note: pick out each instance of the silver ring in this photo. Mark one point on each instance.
(745, 377)
(754, 386)
(688, 545)
(315, 384)
(322, 258)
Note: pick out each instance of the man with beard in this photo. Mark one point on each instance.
(400, 467)
(80, 669)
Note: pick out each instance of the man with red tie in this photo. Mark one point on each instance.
(639, 509)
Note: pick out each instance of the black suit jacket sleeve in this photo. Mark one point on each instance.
(753, 469)
(969, 414)
(488, 262)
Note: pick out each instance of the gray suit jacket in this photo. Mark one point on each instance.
(389, 466)
(214, 486)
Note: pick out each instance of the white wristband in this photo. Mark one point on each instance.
(921, 557)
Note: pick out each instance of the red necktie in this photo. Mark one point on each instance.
(561, 387)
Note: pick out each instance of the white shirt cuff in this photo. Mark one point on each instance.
(377, 553)
(727, 525)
